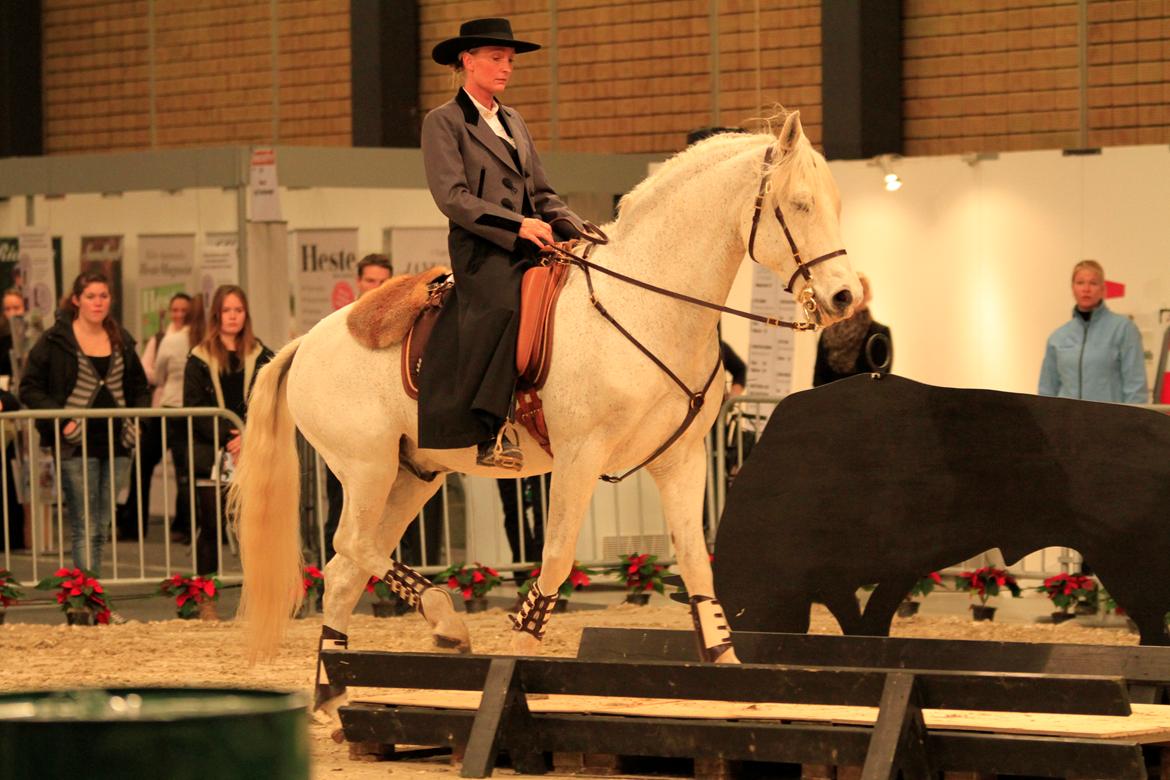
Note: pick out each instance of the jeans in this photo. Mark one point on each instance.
(73, 486)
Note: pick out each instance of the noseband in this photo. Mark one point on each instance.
(806, 295)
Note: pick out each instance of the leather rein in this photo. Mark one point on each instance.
(594, 236)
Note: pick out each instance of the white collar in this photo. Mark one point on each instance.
(484, 111)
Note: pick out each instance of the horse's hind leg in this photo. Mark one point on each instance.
(346, 580)
(681, 478)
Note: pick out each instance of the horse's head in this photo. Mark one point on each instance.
(793, 226)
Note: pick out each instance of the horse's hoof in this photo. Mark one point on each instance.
(451, 634)
(524, 643)
(452, 643)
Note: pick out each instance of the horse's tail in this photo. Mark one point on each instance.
(265, 500)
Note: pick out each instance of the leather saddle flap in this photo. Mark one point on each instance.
(539, 291)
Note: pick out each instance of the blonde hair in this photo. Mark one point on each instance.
(1089, 265)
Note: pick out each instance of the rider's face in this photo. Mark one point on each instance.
(488, 68)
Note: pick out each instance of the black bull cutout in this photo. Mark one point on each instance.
(884, 480)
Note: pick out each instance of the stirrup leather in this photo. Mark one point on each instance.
(535, 612)
(407, 584)
(710, 624)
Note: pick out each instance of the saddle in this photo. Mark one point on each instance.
(407, 313)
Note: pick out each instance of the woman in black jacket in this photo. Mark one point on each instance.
(220, 372)
(87, 361)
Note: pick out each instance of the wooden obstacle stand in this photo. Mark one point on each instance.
(823, 715)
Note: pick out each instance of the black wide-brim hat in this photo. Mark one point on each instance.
(479, 32)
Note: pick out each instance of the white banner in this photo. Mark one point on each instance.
(325, 273)
(36, 264)
(219, 263)
(770, 349)
(263, 190)
(166, 265)
(414, 250)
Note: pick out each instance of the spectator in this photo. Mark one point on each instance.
(220, 372)
(533, 493)
(1097, 355)
(13, 311)
(858, 345)
(151, 449)
(87, 361)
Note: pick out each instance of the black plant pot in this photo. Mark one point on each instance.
(1062, 617)
(562, 605)
(908, 609)
(3, 612)
(475, 604)
(982, 613)
(79, 617)
(641, 599)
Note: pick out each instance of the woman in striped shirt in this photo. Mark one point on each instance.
(87, 361)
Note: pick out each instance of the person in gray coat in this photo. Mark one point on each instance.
(485, 176)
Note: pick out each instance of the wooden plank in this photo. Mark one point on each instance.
(749, 682)
(1133, 663)
(803, 743)
(1147, 724)
(897, 748)
(502, 696)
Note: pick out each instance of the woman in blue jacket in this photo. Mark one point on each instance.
(1097, 355)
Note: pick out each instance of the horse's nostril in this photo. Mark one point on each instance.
(843, 298)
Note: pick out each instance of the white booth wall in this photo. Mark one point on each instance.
(971, 262)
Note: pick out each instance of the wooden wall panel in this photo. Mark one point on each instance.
(213, 77)
(998, 75)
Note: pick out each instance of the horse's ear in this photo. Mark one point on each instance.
(790, 133)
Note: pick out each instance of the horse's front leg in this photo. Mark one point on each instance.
(569, 495)
(681, 478)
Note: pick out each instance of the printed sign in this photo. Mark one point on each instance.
(219, 263)
(166, 265)
(770, 349)
(325, 270)
(263, 190)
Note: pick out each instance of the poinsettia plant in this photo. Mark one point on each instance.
(10, 591)
(189, 591)
(313, 583)
(78, 589)
(472, 581)
(987, 581)
(926, 585)
(640, 573)
(380, 589)
(578, 578)
(1068, 590)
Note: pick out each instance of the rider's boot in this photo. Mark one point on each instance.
(503, 452)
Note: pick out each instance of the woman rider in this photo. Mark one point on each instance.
(485, 176)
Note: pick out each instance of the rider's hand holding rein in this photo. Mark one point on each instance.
(537, 231)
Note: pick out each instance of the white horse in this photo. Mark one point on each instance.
(685, 228)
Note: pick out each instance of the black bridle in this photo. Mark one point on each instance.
(801, 267)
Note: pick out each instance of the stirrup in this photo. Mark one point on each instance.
(506, 453)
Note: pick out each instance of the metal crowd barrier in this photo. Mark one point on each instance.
(463, 522)
(38, 471)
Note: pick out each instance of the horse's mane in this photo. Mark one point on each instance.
(700, 156)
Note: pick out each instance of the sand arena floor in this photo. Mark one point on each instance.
(170, 652)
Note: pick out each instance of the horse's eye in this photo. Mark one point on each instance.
(802, 203)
